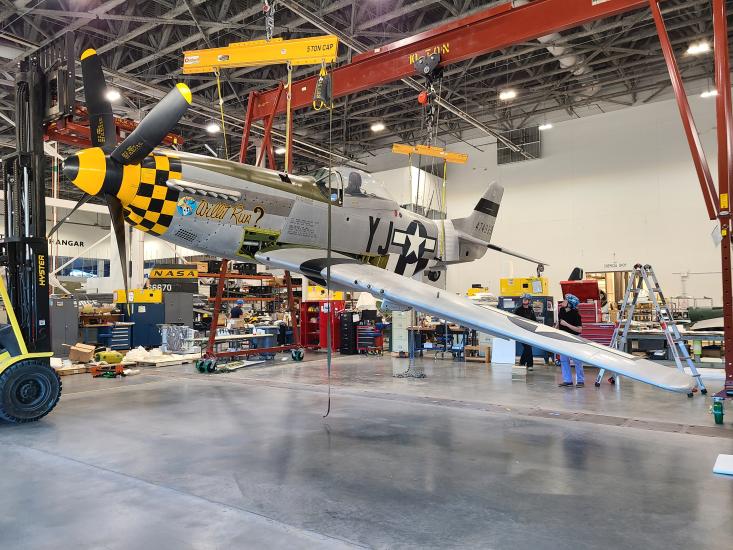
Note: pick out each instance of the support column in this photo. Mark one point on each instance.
(725, 175)
(137, 258)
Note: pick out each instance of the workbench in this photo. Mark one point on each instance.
(235, 341)
(417, 336)
(636, 337)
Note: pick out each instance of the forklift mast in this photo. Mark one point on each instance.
(25, 247)
(44, 92)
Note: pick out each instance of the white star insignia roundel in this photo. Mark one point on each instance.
(412, 242)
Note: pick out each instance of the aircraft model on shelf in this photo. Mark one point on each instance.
(245, 213)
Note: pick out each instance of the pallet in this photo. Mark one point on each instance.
(168, 360)
(470, 350)
(77, 368)
(236, 365)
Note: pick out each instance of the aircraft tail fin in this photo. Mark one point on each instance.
(480, 224)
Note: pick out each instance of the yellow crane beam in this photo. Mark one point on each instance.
(299, 51)
(429, 151)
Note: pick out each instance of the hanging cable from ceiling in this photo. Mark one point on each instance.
(329, 254)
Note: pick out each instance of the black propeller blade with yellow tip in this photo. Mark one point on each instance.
(59, 223)
(118, 225)
(101, 119)
(100, 169)
(154, 127)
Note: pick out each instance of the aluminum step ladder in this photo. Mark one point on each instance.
(643, 277)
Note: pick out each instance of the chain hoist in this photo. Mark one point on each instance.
(428, 67)
(323, 93)
(268, 10)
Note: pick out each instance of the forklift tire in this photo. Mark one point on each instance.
(29, 390)
(211, 365)
(297, 354)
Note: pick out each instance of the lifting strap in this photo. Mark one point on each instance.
(289, 117)
(221, 112)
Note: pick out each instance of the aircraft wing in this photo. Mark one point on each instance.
(397, 289)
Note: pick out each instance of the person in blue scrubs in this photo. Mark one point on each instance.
(568, 320)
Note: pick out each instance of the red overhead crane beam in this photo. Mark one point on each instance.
(481, 33)
(74, 130)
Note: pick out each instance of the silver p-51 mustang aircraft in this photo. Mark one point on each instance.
(231, 210)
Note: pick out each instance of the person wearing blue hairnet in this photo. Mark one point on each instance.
(236, 312)
(568, 320)
(525, 310)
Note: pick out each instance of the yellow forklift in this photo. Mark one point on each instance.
(29, 386)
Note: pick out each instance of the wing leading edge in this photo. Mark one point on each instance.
(355, 275)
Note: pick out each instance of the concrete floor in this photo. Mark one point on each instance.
(470, 457)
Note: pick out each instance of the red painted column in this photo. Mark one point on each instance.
(217, 308)
(247, 127)
(688, 122)
(725, 165)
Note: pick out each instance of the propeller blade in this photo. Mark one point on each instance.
(118, 224)
(83, 200)
(101, 120)
(154, 127)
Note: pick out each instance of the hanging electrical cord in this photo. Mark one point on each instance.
(221, 112)
(329, 324)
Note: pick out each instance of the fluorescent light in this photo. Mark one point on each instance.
(112, 95)
(697, 48)
(709, 93)
(212, 127)
(280, 151)
(378, 127)
(506, 95)
(546, 126)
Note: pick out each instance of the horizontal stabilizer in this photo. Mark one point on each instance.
(515, 254)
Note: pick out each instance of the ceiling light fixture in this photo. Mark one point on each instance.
(546, 126)
(280, 151)
(112, 95)
(378, 127)
(709, 93)
(697, 48)
(506, 95)
(212, 127)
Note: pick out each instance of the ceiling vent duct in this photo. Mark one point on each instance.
(528, 139)
(566, 56)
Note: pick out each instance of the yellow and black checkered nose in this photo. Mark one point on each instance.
(152, 206)
(148, 203)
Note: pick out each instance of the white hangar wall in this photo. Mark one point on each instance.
(612, 187)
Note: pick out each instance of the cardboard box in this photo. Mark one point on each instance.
(237, 323)
(81, 353)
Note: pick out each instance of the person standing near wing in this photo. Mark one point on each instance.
(525, 310)
(568, 320)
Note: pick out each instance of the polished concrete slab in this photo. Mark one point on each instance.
(469, 457)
